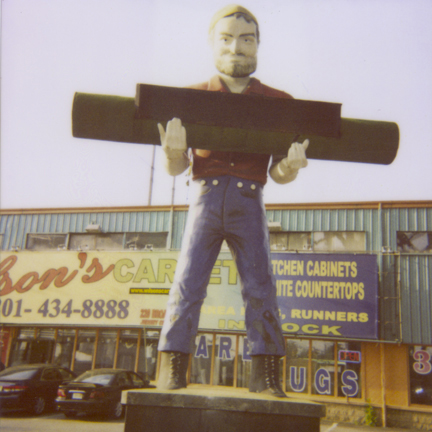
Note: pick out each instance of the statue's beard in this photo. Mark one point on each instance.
(237, 70)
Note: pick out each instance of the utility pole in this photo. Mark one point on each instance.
(151, 176)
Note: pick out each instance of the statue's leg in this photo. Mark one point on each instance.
(249, 241)
(200, 247)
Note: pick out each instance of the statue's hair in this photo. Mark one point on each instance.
(247, 18)
(236, 11)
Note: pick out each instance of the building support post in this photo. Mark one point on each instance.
(383, 386)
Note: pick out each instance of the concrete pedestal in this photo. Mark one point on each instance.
(210, 409)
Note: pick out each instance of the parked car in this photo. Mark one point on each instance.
(98, 391)
(31, 387)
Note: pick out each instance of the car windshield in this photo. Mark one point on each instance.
(96, 378)
(18, 375)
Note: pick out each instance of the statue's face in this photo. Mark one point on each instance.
(235, 47)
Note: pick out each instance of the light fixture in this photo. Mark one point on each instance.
(274, 226)
(93, 228)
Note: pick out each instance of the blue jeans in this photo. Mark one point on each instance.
(227, 208)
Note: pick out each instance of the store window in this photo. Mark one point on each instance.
(146, 240)
(225, 351)
(348, 369)
(46, 241)
(46, 340)
(106, 346)
(414, 241)
(244, 363)
(63, 350)
(148, 354)
(297, 365)
(323, 367)
(319, 241)
(5, 335)
(118, 241)
(290, 241)
(202, 360)
(84, 351)
(96, 241)
(311, 366)
(128, 344)
(339, 241)
(31, 347)
(420, 361)
(21, 347)
(103, 241)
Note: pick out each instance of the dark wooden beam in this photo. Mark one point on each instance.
(238, 111)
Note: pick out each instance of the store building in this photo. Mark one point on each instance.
(87, 288)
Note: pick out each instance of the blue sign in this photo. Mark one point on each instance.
(333, 295)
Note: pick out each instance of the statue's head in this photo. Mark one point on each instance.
(234, 38)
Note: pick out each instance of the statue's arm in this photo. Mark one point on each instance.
(286, 170)
(174, 147)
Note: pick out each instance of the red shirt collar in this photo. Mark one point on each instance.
(216, 84)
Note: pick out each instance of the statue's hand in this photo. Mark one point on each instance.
(173, 140)
(296, 157)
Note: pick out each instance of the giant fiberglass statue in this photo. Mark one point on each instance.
(228, 206)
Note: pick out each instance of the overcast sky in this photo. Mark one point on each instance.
(373, 56)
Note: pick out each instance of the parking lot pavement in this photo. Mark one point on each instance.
(54, 422)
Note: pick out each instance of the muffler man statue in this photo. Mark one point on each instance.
(228, 206)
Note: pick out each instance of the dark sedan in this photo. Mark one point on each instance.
(98, 391)
(31, 387)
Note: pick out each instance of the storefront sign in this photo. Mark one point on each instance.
(316, 296)
(328, 294)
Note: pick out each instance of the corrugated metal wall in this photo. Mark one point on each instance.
(331, 220)
(405, 279)
(15, 227)
(414, 273)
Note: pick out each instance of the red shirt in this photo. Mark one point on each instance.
(250, 166)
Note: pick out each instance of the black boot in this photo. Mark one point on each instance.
(173, 369)
(265, 376)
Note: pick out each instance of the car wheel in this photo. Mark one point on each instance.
(38, 405)
(117, 410)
